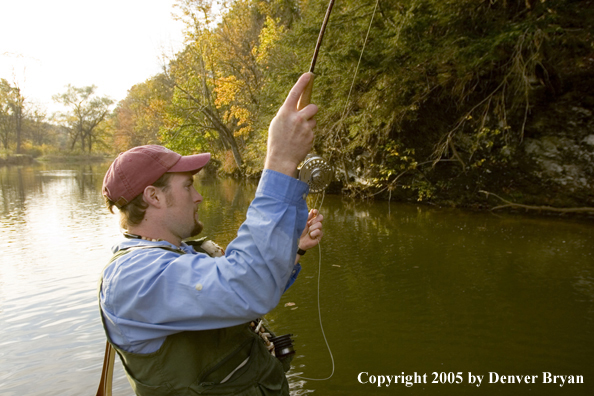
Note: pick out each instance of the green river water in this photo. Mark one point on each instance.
(444, 293)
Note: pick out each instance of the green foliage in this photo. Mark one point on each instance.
(24, 126)
(7, 119)
(452, 81)
(138, 118)
(424, 95)
(87, 113)
(12, 114)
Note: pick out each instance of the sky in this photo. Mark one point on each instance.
(113, 44)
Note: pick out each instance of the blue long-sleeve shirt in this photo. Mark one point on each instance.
(148, 294)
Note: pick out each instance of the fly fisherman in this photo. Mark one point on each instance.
(180, 320)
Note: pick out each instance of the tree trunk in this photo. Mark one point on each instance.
(236, 155)
(227, 136)
(18, 114)
(19, 118)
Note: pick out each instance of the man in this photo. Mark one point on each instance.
(180, 319)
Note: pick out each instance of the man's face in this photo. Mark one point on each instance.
(182, 201)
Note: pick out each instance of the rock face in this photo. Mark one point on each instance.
(560, 148)
(563, 161)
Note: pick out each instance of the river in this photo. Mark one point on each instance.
(404, 289)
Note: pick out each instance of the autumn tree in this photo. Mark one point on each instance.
(195, 117)
(138, 118)
(220, 101)
(37, 129)
(11, 114)
(6, 114)
(87, 111)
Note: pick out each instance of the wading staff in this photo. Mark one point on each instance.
(305, 98)
(107, 372)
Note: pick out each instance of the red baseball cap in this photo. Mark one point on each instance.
(139, 167)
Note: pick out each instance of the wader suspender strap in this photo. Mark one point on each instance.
(105, 382)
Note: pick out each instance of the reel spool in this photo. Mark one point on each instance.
(316, 172)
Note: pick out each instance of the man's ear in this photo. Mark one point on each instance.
(153, 196)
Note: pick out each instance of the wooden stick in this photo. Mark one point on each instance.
(107, 372)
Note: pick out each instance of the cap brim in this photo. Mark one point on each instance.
(191, 163)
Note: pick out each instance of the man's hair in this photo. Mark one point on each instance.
(133, 212)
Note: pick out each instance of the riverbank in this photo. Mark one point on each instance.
(76, 158)
(26, 159)
(16, 159)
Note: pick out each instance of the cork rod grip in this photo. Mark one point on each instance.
(305, 98)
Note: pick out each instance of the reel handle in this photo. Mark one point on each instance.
(305, 98)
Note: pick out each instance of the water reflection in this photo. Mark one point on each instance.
(404, 288)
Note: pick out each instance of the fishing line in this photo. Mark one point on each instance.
(323, 195)
(319, 309)
(359, 62)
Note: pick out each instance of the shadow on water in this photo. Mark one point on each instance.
(404, 289)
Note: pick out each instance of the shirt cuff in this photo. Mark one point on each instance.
(282, 187)
(294, 273)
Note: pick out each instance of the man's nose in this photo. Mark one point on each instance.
(197, 197)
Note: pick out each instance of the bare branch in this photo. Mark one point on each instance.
(509, 204)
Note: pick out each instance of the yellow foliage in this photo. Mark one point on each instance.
(270, 35)
(243, 131)
(226, 89)
(242, 114)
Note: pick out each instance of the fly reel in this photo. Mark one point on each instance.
(316, 172)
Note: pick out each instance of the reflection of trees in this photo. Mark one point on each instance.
(20, 186)
(76, 184)
(15, 182)
(224, 206)
(89, 180)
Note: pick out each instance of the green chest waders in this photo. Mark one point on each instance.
(228, 361)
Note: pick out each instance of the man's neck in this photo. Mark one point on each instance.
(151, 235)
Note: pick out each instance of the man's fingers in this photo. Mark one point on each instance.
(314, 218)
(316, 234)
(308, 112)
(296, 91)
(317, 219)
(314, 229)
(311, 123)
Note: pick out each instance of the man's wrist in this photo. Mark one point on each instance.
(300, 251)
(286, 167)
